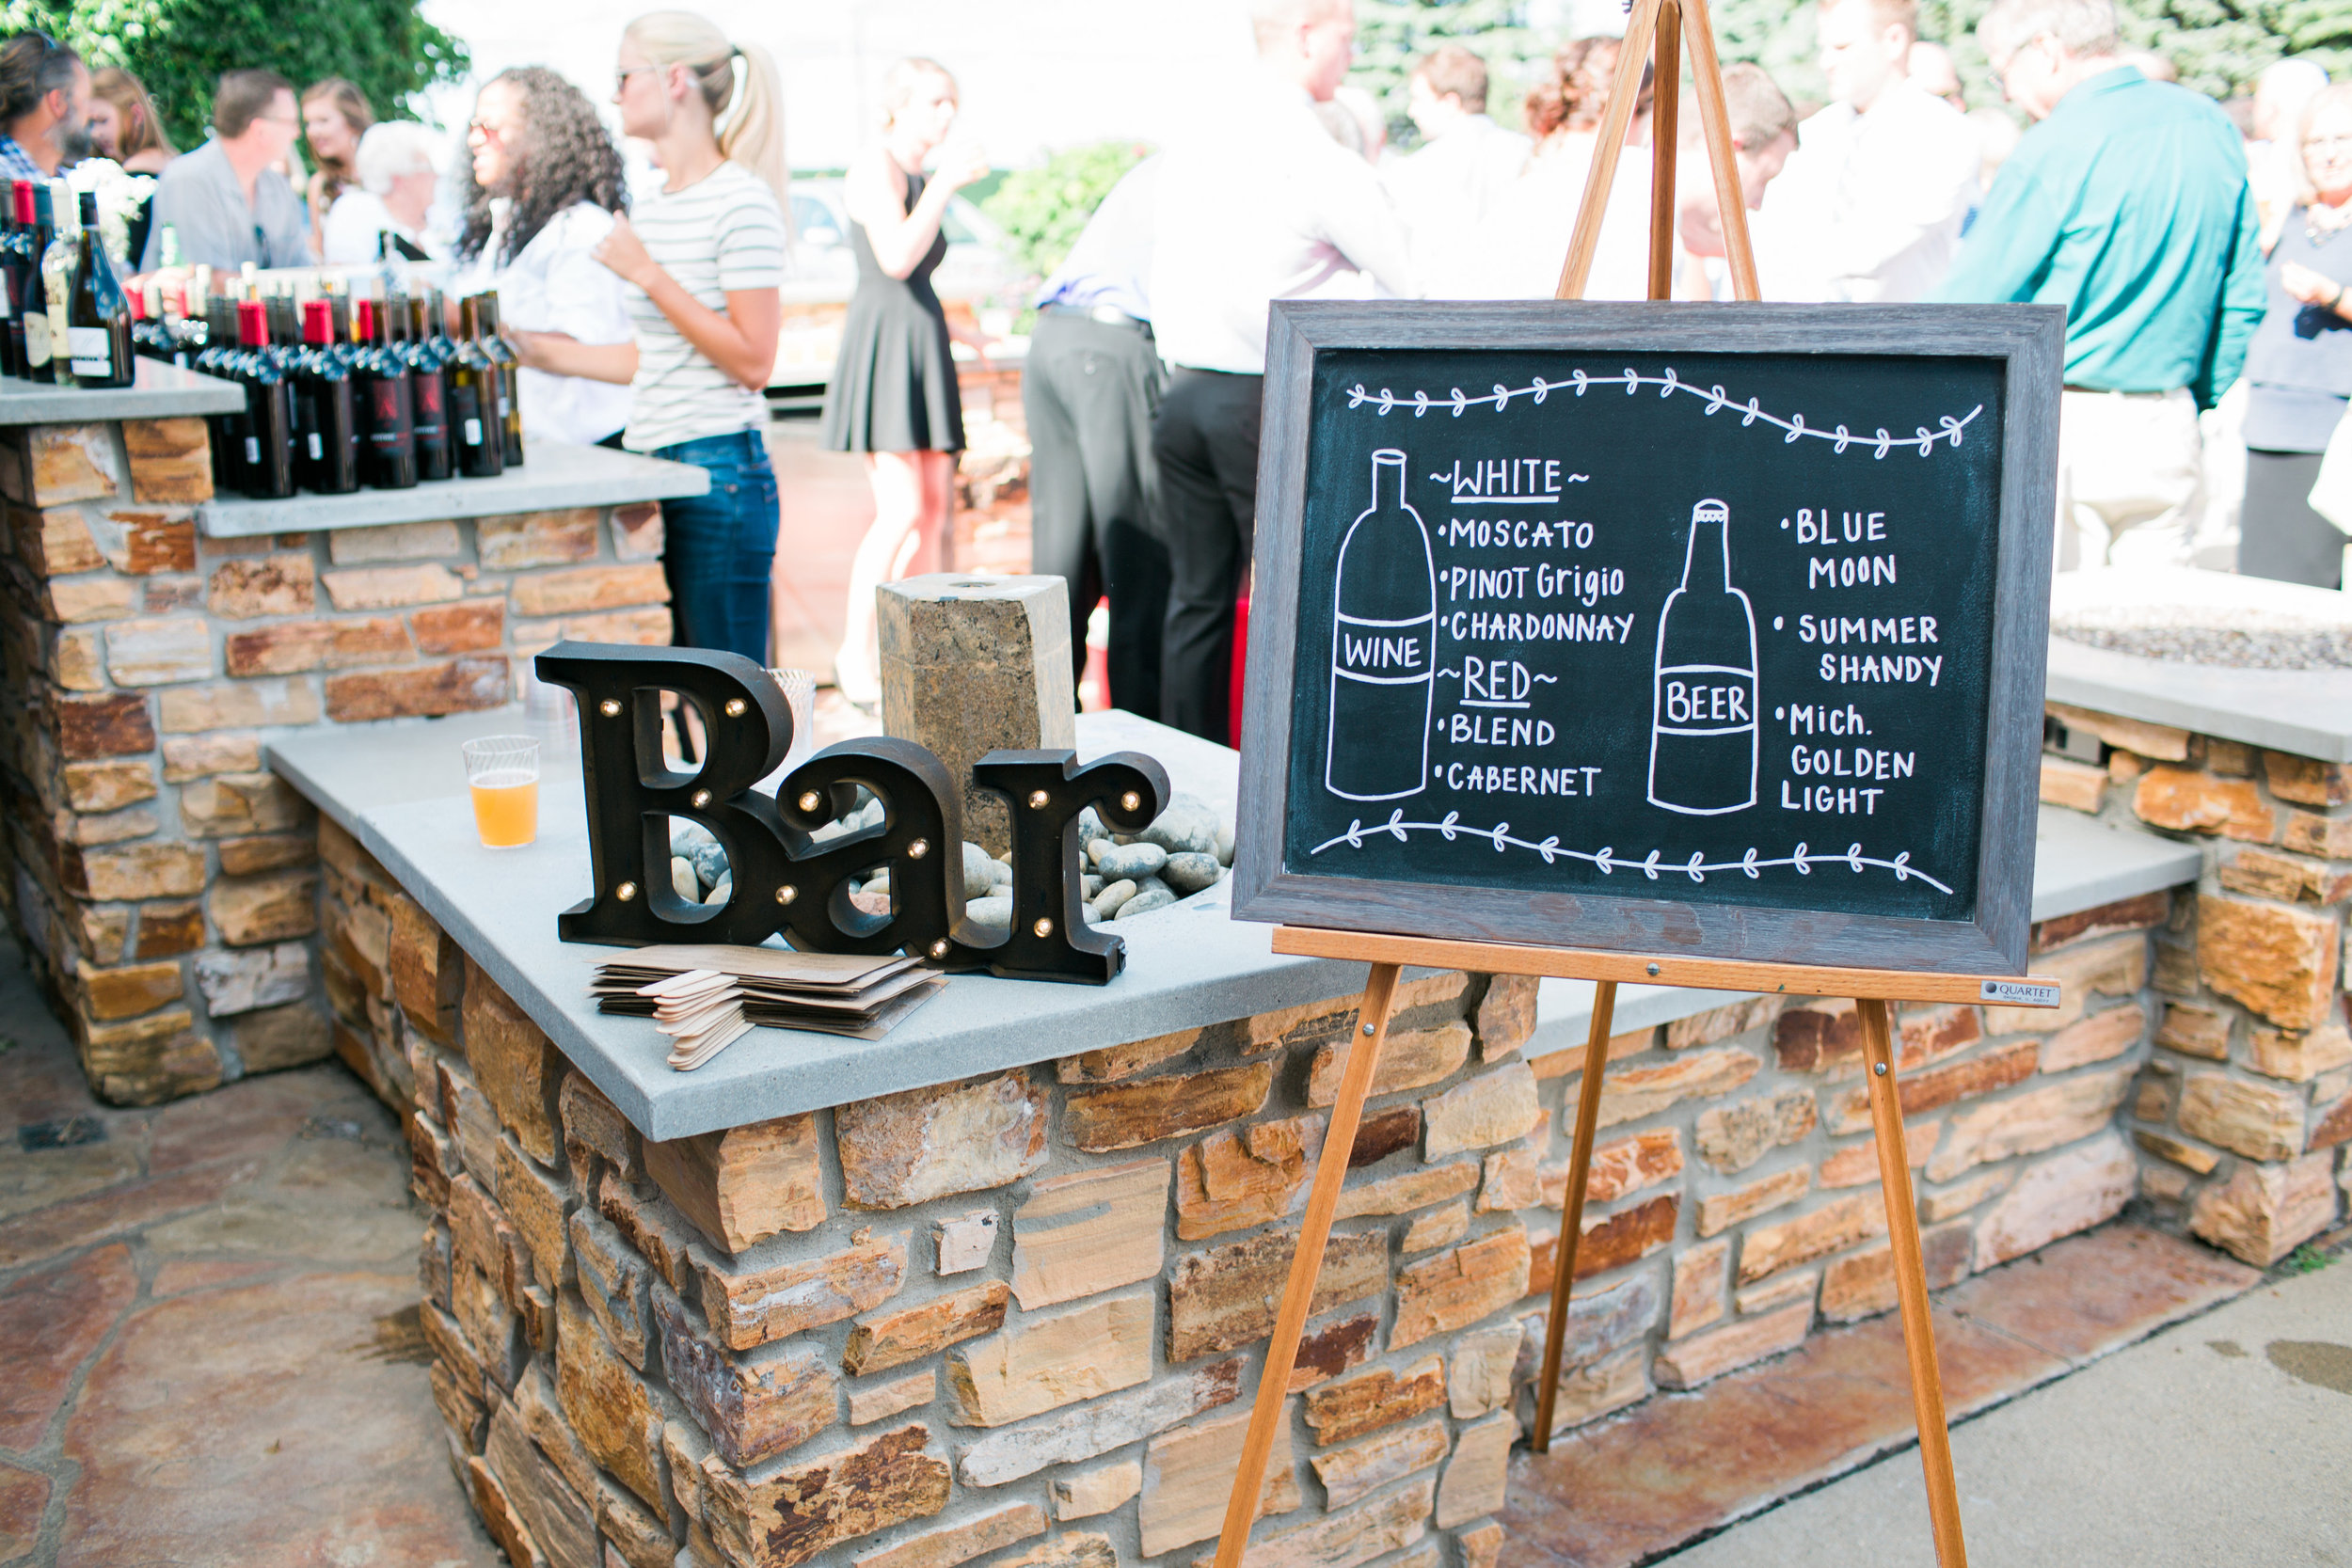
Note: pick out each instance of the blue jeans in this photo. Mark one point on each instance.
(721, 547)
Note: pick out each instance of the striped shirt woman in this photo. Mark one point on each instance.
(703, 259)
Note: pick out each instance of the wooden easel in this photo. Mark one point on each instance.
(1657, 22)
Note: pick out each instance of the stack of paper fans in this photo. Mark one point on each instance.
(706, 997)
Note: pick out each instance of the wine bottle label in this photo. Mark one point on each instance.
(86, 346)
(473, 433)
(318, 448)
(252, 449)
(36, 338)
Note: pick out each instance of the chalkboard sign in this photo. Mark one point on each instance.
(1709, 629)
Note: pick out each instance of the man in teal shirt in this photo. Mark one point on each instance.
(2128, 205)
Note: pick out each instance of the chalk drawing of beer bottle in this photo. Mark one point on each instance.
(1702, 731)
(1384, 652)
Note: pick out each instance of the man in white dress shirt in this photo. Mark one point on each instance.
(1870, 206)
(1259, 205)
(1466, 163)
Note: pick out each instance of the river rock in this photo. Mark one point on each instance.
(1106, 902)
(1187, 827)
(710, 864)
(686, 837)
(1157, 896)
(1134, 859)
(721, 894)
(870, 901)
(1191, 873)
(1225, 844)
(999, 874)
(976, 864)
(993, 913)
(1090, 886)
(682, 878)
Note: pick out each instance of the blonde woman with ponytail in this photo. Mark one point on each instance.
(703, 259)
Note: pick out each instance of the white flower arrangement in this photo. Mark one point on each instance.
(119, 196)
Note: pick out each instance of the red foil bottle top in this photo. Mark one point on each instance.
(23, 200)
(253, 323)
(363, 320)
(318, 321)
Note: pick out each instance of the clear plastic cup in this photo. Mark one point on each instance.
(503, 773)
(799, 693)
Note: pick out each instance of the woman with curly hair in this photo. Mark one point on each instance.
(538, 198)
(1518, 251)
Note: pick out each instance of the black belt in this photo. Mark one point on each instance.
(1109, 315)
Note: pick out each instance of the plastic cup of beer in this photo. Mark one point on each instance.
(503, 772)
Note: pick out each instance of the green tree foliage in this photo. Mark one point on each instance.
(1044, 209)
(1391, 34)
(180, 47)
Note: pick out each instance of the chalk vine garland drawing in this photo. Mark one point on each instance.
(1457, 402)
(1607, 860)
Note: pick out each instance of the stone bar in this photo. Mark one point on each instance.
(996, 1288)
(2241, 1112)
(165, 883)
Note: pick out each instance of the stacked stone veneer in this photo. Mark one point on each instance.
(2242, 1114)
(1018, 1316)
(166, 884)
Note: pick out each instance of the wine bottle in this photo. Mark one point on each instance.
(380, 387)
(216, 356)
(510, 408)
(12, 306)
(473, 401)
(434, 458)
(36, 345)
(98, 323)
(1703, 736)
(190, 329)
(1384, 654)
(427, 323)
(16, 269)
(58, 263)
(167, 248)
(325, 416)
(268, 408)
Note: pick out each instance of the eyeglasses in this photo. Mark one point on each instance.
(620, 77)
(484, 128)
(2329, 144)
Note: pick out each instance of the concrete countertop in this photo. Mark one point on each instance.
(399, 788)
(161, 391)
(2307, 712)
(553, 476)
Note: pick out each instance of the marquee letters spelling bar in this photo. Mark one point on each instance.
(784, 880)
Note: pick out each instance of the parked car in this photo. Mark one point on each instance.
(977, 275)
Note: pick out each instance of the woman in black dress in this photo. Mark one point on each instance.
(893, 395)
(2298, 369)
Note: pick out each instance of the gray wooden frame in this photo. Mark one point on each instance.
(2030, 342)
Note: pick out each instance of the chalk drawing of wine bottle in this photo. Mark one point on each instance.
(1384, 648)
(1704, 734)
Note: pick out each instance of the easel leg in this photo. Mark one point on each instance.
(1363, 1056)
(1664, 136)
(1572, 1206)
(1911, 1284)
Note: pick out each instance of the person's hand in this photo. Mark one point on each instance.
(961, 164)
(625, 253)
(530, 347)
(2312, 288)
